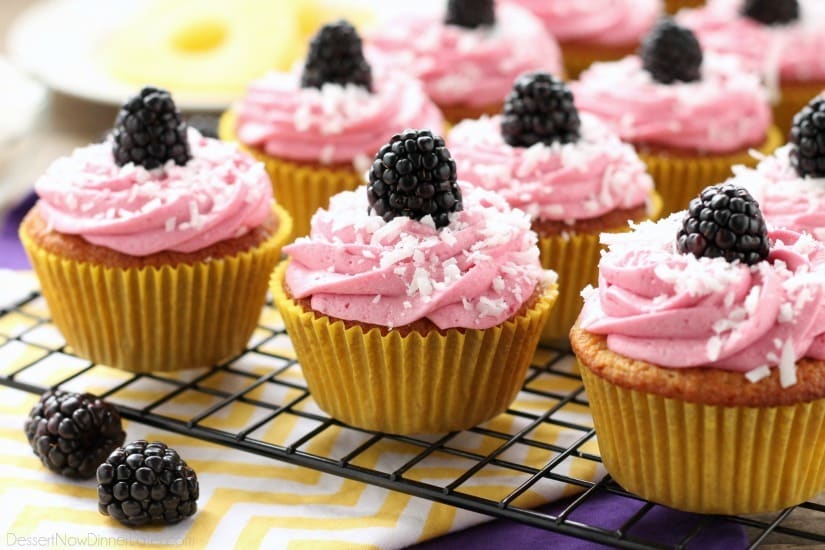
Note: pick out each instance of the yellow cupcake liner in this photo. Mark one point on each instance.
(301, 188)
(575, 258)
(795, 95)
(706, 458)
(681, 178)
(672, 6)
(578, 56)
(418, 383)
(165, 318)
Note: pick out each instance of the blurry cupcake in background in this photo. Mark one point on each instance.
(416, 302)
(595, 30)
(567, 170)
(154, 248)
(673, 6)
(790, 184)
(782, 39)
(317, 127)
(691, 115)
(468, 56)
(702, 352)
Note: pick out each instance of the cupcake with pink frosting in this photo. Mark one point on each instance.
(567, 170)
(317, 128)
(781, 39)
(154, 248)
(790, 183)
(596, 30)
(469, 56)
(703, 344)
(416, 302)
(691, 115)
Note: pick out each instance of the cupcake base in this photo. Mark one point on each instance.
(420, 382)
(300, 187)
(676, 444)
(795, 95)
(672, 6)
(578, 56)
(575, 258)
(680, 177)
(156, 316)
(453, 114)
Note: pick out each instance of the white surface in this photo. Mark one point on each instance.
(58, 41)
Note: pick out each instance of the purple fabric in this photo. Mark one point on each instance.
(660, 525)
(11, 252)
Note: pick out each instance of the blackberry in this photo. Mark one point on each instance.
(724, 221)
(144, 483)
(771, 12)
(471, 13)
(72, 433)
(539, 108)
(671, 53)
(808, 139)
(150, 131)
(414, 175)
(336, 56)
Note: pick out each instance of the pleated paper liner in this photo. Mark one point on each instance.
(418, 383)
(158, 319)
(578, 56)
(794, 96)
(680, 178)
(704, 458)
(575, 258)
(672, 6)
(301, 188)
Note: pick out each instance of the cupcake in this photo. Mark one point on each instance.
(416, 302)
(595, 30)
(468, 57)
(568, 171)
(702, 355)
(316, 129)
(790, 184)
(154, 248)
(690, 115)
(782, 39)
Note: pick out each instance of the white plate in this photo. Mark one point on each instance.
(59, 41)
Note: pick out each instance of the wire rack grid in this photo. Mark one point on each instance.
(32, 339)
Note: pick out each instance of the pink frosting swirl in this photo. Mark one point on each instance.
(460, 66)
(219, 194)
(790, 52)
(787, 200)
(334, 124)
(675, 310)
(606, 22)
(727, 110)
(571, 181)
(474, 273)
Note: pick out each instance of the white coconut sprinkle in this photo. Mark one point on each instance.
(787, 365)
(714, 347)
(757, 374)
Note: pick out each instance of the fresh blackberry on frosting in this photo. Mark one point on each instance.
(471, 13)
(72, 433)
(724, 221)
(808, 138)
(336, 56)
(146, 483)
(539, 109)
(149, 131)
(771, 12)
(414, 175)
(671, 53)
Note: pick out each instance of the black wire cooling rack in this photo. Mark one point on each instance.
(803, 524)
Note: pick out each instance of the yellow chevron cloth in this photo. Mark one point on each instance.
(248, 500)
